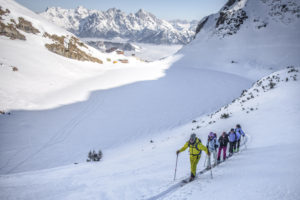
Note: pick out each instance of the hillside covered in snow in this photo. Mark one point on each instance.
(241, 68)
(38, 58)
(142, 26)
(269, 115)
(247, 36)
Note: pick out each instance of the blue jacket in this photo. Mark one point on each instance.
(238, 135)
(239, 130)
(231, 136)
(212, 145)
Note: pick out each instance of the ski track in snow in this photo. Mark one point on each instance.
(164, 194)
(63, 133)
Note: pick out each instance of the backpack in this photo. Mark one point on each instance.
(196, 145)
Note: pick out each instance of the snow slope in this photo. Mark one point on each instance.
(247, 36)
(41, 72)
(268, 168)
(145, 170)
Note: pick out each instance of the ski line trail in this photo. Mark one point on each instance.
(64, 132)
(178, 185)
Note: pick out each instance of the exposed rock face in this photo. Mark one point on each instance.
(26, 26)
(229, 22)
(3, 12)
(284, 11)
(10, 29)
(68, 47)
(229, 3)
(106, 46)
(201, 24)
(258, 13)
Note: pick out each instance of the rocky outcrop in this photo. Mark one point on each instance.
(201, 24)
(284, 11)
(10, 29)
(26, 26)
(106, 46)
(3, 12)
(229, 23)
(69, 47)
(259, 14)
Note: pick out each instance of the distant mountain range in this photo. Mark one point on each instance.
(141, 26)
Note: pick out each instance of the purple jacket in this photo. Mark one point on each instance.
(239, 130)
(238, 135)
(232, 136)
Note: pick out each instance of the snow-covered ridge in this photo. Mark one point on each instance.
(265, 84)
(35, 50)
(141, 26)
(246, 35)
(247, 102)
(238, 13)
(65, 45)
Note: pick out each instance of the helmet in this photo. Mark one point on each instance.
(193, 138)
(238, 126)
(232, 130)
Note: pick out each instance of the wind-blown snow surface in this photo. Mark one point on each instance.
(142, 170)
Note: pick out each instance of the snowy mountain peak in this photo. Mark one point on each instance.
(233, 5)
(242, 14)
(113, 11)
(81, 10)
(143, 14)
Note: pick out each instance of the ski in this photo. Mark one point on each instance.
(187, 180)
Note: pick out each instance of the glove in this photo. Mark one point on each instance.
(177, 152)
(208, 154)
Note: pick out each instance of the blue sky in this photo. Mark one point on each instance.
(164, 9)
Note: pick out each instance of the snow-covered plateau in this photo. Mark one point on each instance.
(56, 106)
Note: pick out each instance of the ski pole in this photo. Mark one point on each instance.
(175, 167)
(245, 140)
(210, 168)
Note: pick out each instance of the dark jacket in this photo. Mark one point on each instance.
(223, 141)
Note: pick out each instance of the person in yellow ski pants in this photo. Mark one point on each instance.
(196, 147)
